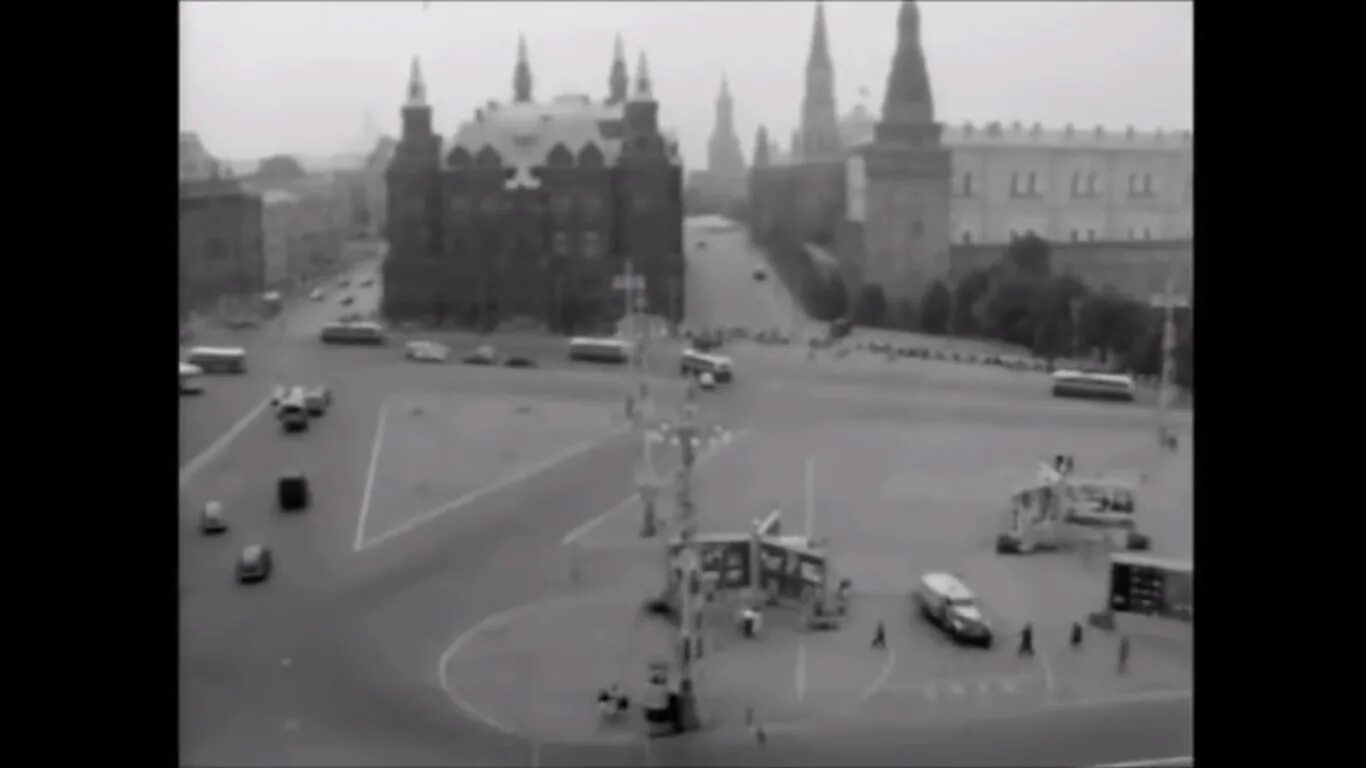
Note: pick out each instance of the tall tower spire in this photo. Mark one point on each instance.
(908, 100)
(617, 80)
(417, 89)
(724, 154)
(644, 88)
(521, 76)
(761, 158)
(820, 137)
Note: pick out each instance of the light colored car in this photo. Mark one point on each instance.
(427, 352)
(317, 295)
(254, 564)
(706, 381)
(317, 400)
(483, 355)
(211, 520)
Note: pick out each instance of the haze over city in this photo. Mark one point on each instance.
(264, 78)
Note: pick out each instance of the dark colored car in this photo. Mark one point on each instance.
(292, 491)
(484, 355)
(760, 275)
(519, 361)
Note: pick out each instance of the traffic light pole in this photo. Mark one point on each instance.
(690, 583)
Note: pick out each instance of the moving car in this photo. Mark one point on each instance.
(367, 282)
(317, 295)
(353, 333)
(348, 301)
(218, 359)
(484, 355)
(253, 564)
(519, 361)
(317, 400)
(1093, 385)
(344, 283)
(600, 349)
(242, 322)
(760, 275)
(211, 520)
(427, 352)
(292, 491)
(706, 381)
(946, 602)
(292, 410)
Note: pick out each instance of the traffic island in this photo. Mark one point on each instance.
(537, 671)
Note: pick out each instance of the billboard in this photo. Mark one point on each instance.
(724, 559)
(790, 572)
(1151, 587)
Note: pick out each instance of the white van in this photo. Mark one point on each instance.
(946, 602)
(292, 410)
(694, 363)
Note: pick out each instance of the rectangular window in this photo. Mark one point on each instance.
(1147, 234)
(1090, 234)
(1131, 233)
(1148, 189)
(1076, 184)
(967, 184)
(1075, 235)
(966, 237)
(1033, 184)
(1093, 184)
(1014, 185)
(592, 248)
(561, 244)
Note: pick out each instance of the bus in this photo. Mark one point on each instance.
(696, 363)
(218, 359)
(189, 379)
(1100, 386)
(353, 333)
(600, 350)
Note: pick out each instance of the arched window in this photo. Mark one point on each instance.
(966, 237)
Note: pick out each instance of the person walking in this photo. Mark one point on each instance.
(1027, 641)
(1123, 668)
(880, 636)
(1076, 636)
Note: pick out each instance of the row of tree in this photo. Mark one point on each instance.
(1019, 300)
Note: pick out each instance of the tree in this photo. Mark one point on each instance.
(839, 297)
(904, 315)
(935, 307)
(279, 168)
(871, 308)
(1029, 256)
(967, 294)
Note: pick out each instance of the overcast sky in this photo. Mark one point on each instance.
(261, 78)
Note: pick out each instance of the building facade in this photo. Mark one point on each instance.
(196, 164)
(221, 253)
(535, 208)
(1124, 199)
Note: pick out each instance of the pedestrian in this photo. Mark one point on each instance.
(1076, 635)
(880, 636)
(1027, 641)
(1124, 654)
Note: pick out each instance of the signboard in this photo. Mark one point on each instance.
(790, 572)
(1152, 587)
(724, 559)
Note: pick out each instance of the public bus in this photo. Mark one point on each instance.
(189, 379)
(218, 359)
(353, 333)
(600, 350)
(1100, 386)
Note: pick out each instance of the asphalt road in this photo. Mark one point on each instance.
(333, 660)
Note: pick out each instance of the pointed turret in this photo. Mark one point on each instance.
(617, 80)
(908, 100)
(521, 77)
(761, 158)
(417, 90)
(820, 47)
(644, 88)
(820, 139)
(724, 154)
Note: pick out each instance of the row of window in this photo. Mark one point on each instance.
(1084, 185)
(1076, 235)
(590, 206)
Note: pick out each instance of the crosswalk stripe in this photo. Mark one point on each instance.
(1009, 685)
(931, 692)
(984, 687)
(956, 689)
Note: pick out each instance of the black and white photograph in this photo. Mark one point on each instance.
(686, 383)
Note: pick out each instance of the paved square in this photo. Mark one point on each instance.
(439, 451)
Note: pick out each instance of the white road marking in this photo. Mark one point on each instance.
(1155, 762)
(810, 496)
(583, 530)
(1009, 685)
(1140, 697)
(931, 692)
(956, 689)
(375, 447)
(876, 685)
(801, 671)
(1047, 673)
(198, 463)
(524, 473)
(983, 687)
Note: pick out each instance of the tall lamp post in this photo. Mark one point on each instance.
(1169, 302)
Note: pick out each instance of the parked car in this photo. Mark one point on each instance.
(317, 295)
(348, 301)
(317, 400)
(519, 361)
(760, 275)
